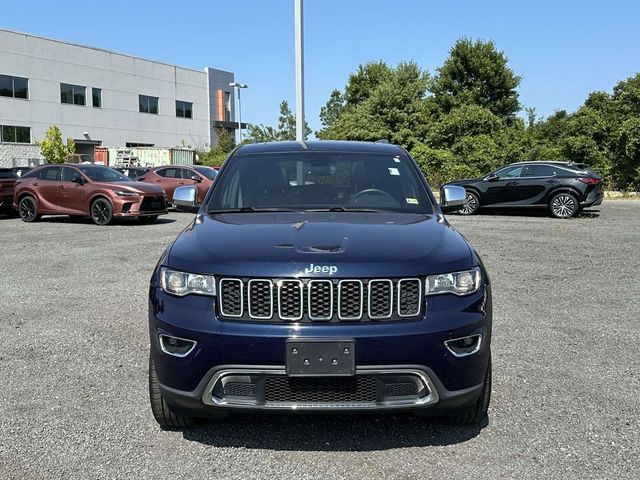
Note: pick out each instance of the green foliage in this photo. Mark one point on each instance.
(382, 103)
(477, 73)
(217, 155)
(463, 123)
(52, 147)
(286, 128)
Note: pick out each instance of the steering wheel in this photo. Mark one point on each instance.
(374, 191)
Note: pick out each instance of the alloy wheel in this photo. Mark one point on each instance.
(563, 206)
(101, 212)
(470, 206)
(27, 209)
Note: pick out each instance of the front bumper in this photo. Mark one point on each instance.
(140, 206)
(414, 348)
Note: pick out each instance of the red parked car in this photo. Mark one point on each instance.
(7, 179)
(86, 190)
(174, 176)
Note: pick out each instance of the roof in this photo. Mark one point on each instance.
(551, 162)
(320, 146)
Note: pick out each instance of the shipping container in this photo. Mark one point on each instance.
(182, 156)
(101, 156)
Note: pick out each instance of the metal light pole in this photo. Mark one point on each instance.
(238, 87)
(299, 41)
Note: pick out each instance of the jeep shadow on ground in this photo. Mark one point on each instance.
(329, 433)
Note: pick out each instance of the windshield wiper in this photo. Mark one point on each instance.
(349, 209)
(254, 210)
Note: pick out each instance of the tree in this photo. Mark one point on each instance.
(286, 128)
(333, 108)
(52, 148)
(477, 73)
(382, 103)
(217, 155)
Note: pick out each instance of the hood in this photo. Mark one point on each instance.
(465, 181)
(137, 187)
(320, 244)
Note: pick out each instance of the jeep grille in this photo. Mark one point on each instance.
(320, 300)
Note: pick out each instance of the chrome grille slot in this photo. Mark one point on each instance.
(320, 299)
(260, 299)
(350, 299)
(231, 297)
(409, 297)
(290, 300)
(380, 299)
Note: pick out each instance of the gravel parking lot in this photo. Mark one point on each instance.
(73, 365)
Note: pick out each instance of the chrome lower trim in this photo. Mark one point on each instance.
(173, 354)
(465, 354)
(431, 398)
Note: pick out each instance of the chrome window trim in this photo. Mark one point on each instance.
(359, 317)
(300, 286)
(258, 317)
(378, 280)
(222, 312)
(413, 279)
(311, 282)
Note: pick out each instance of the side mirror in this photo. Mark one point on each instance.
(196, 178)
(452, 198)
(185, 196)
(492, 177)
(79, 180)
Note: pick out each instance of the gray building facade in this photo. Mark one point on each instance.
(103, 98)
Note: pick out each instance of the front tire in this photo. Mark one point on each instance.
(163, 414)
(564, 205)
(28, 209)
(472, 206)
(478, 412)
(101, 211)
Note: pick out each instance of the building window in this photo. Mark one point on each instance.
(72, 94)
(227, 106)
(15, 87)
(97, 97)
(148, 104)
(13, 134)
(184, 109)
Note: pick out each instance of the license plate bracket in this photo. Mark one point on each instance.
(317, 357)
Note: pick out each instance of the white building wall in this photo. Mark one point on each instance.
(47, 63)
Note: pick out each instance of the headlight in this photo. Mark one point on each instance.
(126, 193)
(458, 283)
(181, 283)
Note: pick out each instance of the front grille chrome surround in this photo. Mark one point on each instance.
(291, 285)
(377, 311)
(343, 285)
(402, 297)
(315, 299)
(225, 285)
(321, 299)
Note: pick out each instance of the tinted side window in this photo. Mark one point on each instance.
(510, 172)
(539, 171)
(50, 173)
(68, 174)
(186, 173)
(171, 173)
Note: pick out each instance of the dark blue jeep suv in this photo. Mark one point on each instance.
(319, 276)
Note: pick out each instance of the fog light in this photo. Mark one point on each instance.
(464, 346)
(175, 346)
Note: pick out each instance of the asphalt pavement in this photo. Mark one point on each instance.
(566, 387)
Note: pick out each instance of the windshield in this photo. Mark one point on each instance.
(208, 172)
(319, 181)
(103, 174)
